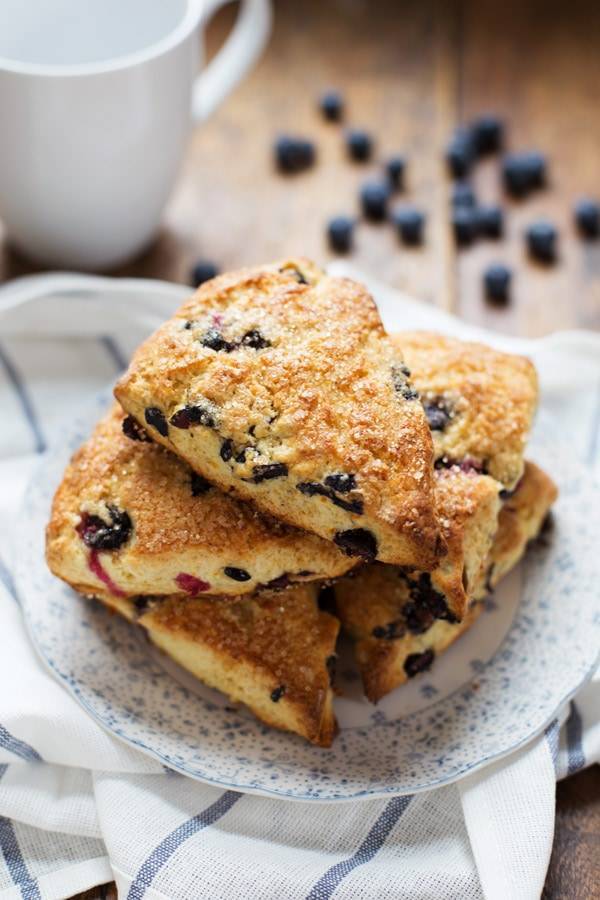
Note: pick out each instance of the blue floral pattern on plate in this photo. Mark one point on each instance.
(499, 686)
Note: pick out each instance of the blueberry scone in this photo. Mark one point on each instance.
(395, 630)
(479, 402)
(279, 384)
(273, 652)
(133, 518)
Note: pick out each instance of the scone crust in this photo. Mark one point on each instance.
(490, 396)
(173, 531)
(274, 652)
(322, 392)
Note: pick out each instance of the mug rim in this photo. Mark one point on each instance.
(188, 22)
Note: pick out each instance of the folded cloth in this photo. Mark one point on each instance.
(78, 808)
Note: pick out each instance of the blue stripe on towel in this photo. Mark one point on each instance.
(574, 730)
(371, 845)
(19, 748)
(594, 448)
(165, 850)
(114, 351)
(22, 393)
(9, 847)
(552, 734)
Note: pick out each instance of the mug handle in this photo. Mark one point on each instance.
(239, 53)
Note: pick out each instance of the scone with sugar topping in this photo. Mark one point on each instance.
(479, 402)
(279, 384)
(273, 652)
(133, 518)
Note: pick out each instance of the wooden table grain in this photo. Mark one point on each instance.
(410, 72)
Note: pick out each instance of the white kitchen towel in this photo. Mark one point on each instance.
(78, 808)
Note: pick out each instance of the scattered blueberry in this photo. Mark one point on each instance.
(390, 632)
(523, 172)
(278, 693)
(267, 471)
(418, 662)
(226, 451)
(342, 482)
(395, 168)
(156, 419)
(340, 232)
(332, 105)
(460, 153)
(463, 194)
(374, 197)
(496, 280)
(464, 225)
(199, 484)
(359, 144)
(490, 221)
(255, 340)
(188, 416)
(134, 431)
(541, 241)
(357, 542)
(214, 340)
(203, 271)
(293, 154)
(409, 222)
(488, 134)
(101, 535)
(237, 574)
(536, 165)
(587, 217)
(437, 413)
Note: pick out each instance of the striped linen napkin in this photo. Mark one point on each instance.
(79, 808)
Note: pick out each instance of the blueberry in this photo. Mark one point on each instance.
(409, 222)
(418, 619)
(294, 273)
(488, 134)
(463, 194)
(240, 457)
(278, 693)
(188, 416)
(395, 168)
(199, 485)
(418, 662)
(312, 488)
(332, 105)
(359, 144)
(342, 483)
(226, 451)
(464, 225)
(278, 584)
(326, 598)
(400, 374)
(156, 419)
(293, 154)
(424, 595)
(141, 602)
(255, 340)
(490, 221)
(587, 217)
(438, 414)
(204, 270)
(536, 166)
(390, 632)
(267, 471)
(496, 279)
(460, 153)
(374, 197)
(134, 431)
(237, 574)
(357, 542)
(354, 506)
(214, 340)
(101, 535)
(523, 172)
(541, 241)
(340, 232)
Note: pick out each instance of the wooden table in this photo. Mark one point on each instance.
(410, 72)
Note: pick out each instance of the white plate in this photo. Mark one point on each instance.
(497, 687)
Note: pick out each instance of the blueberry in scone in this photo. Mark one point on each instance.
(134, 518)
(490, 398)
(323, 393)
(275, 653)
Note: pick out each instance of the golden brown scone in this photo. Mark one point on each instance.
(479, 402)
(167, 529)
(274, 652)
(522, 517)
(395, 633)
(278, 383)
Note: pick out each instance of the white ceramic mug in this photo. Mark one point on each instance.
(96, 102)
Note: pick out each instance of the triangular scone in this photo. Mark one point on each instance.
(394, 637)
(134, 518)
(274, 652)
(479, 402)
(279, 383)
